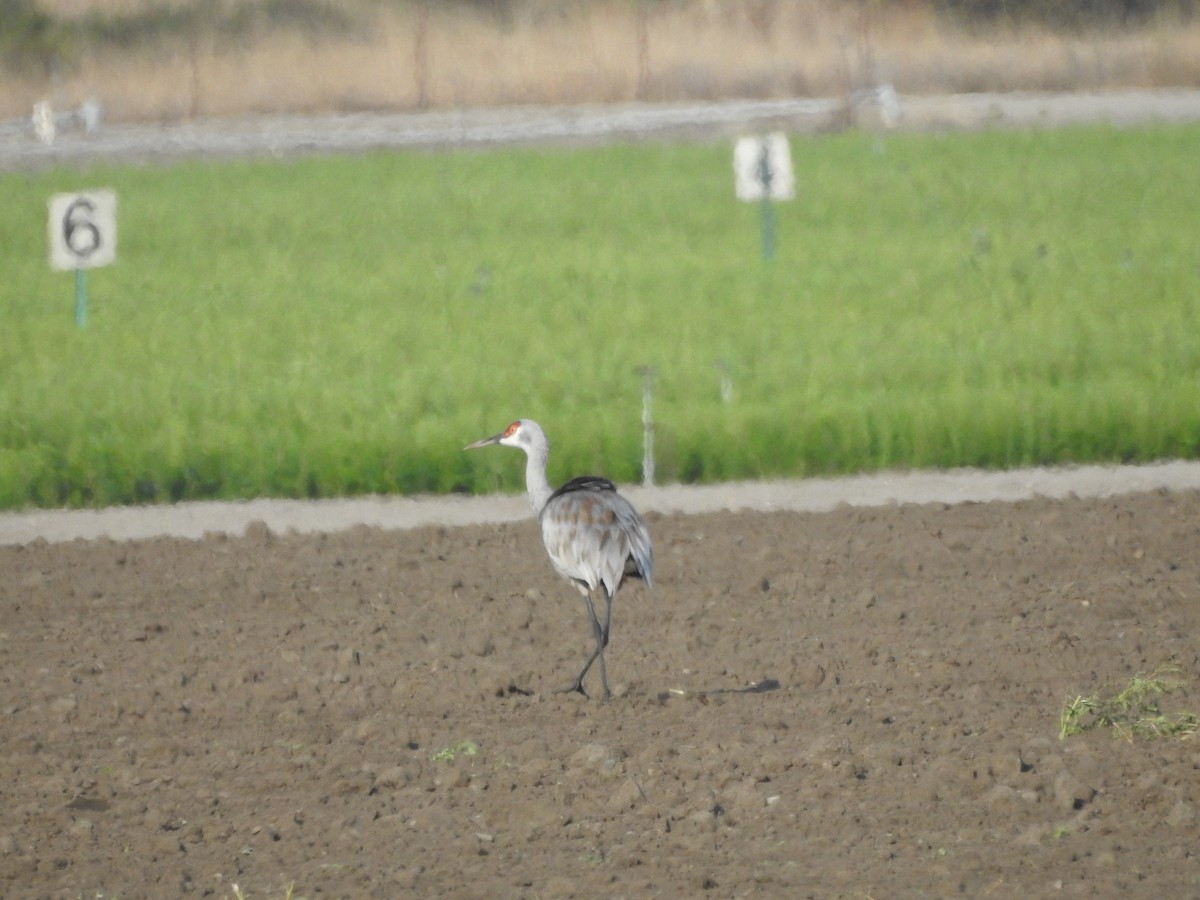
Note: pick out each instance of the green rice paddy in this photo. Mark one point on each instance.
(329, 326)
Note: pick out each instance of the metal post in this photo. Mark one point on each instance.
(647, 373)
(726, 381)
(768, 210)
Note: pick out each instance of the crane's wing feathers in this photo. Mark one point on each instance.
(584, 483)
(594, 535)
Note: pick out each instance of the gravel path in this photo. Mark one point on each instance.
(477, 128)
(194, 520)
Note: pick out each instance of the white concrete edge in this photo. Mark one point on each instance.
(195, 520)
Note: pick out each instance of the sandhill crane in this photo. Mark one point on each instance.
(594, 536)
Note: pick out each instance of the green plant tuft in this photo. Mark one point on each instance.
(1133, 712)
(449, 754)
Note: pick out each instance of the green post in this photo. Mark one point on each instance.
(81, 297)
(768, 228)
(766, 176)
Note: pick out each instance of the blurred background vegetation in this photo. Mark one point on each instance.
(1067, 13)
(173, 59)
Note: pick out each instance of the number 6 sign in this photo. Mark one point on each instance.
(83, 230)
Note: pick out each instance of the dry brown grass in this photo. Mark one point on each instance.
(602, 52)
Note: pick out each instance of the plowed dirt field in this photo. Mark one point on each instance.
(367, 713)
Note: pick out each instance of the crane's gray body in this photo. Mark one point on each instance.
(594, 536)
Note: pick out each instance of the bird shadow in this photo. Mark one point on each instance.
(758, 687)
(765, 686)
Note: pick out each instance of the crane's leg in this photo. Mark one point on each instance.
(602, 639)
(600, 633)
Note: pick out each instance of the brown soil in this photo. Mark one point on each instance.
(181, 716)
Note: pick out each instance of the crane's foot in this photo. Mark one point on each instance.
(577, 684)
(575, 687)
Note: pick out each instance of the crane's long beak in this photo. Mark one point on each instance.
(486, 442)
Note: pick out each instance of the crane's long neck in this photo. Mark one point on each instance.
(535, 476)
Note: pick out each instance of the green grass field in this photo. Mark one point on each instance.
(331, 326)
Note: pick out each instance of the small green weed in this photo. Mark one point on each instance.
(1134, 711)
(446, 754)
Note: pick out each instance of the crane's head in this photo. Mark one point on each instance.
(525, 434)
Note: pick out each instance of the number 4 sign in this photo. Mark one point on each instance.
(83, 230)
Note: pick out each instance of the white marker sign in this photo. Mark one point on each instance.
(762, 167)
(83, 230)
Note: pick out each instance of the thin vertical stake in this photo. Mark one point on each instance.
(81, 297)
(647, 373)
(768, 228)
(766, 176)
